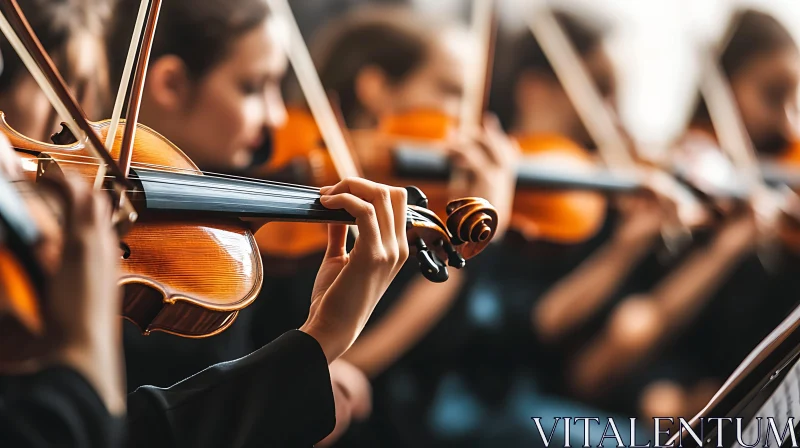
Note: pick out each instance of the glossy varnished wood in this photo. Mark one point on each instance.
(186, 279)
(213, 266)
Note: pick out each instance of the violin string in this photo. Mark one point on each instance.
(314, 191)
(301, 191)
(410, 213)
(248, 191)
(166, 168)
(234, 189)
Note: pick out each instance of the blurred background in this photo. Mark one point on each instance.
(653, 44)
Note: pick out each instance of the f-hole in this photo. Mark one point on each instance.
(126, 250)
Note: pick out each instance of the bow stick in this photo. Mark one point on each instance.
(580, 89)
(478, 73)
(318, 102)
(314, 92)
(135, 98)
(119, 102)
(20, 35)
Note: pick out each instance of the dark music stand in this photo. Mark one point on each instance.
(758, 377)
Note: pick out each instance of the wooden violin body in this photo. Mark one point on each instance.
(186, 279)
(566, 217)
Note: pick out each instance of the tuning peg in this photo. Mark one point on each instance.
(454, 259)
(429, 264)
(416, 197)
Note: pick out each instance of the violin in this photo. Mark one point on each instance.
(558, 187)
(190, 263)
(542, 209)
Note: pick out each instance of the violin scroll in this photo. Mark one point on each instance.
(471, 224)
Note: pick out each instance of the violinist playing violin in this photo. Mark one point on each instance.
(216, 104)
(722, 285)
(221, 105)
(385, 64)
(590, 246)
(292, 373)
(58, 396)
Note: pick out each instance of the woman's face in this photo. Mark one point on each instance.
(27, 109)
(766, 90)
(26, 106)
(437, 84)
(232, 108)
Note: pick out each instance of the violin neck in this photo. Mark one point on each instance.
(163, 191)
(414, 163)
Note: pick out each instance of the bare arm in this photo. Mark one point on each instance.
(684, 292)
(578, 296)
(640, 324)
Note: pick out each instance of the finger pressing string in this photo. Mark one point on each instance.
(363, 212)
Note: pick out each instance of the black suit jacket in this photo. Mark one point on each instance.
(278, 396)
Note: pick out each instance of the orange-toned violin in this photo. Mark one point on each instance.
(791, 155)
(409, 148)
(542, 210)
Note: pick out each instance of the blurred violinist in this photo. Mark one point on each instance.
(382, 63)
(385, 65)
(71, 31)
(763, 67)
(721, 281)
(631, 230)
(67, 390)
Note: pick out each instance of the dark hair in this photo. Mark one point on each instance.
(521, 53)
(390, 38)
(58, 24)
(198, 32)
(753, 34)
